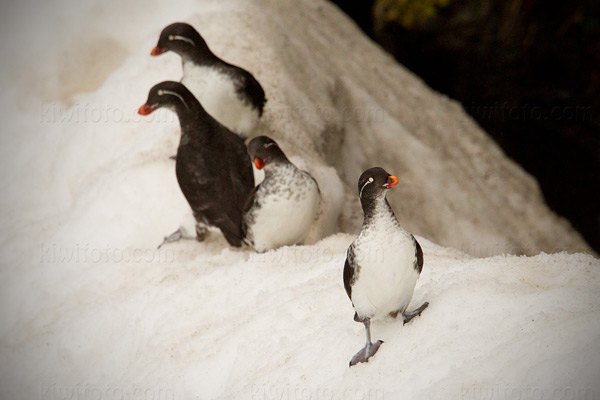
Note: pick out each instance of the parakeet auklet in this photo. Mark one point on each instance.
(228, 93)
(383, 263)
(282, 208)
(213, 168)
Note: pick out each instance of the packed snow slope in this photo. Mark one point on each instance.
(337, 104)
(201, 321)
(89, 310)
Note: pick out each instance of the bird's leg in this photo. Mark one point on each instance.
(411, 314)
(175, 236)
(370, 348)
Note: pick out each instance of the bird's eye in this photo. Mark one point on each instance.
(160, 92)
(371, 179)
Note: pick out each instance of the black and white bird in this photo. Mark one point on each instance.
(228, 93)
(383, 263)
(213, 168)
(282, 208)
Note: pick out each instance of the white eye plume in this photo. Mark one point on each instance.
(370, 180)
(162, 92)
(182, 38)
(267, 145)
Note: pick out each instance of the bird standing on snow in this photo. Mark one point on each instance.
(213, 169)
(228, 93)
(383, 263)
(280, 210)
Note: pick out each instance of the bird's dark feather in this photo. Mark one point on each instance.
(418, 255)
(350, 271)
(247, 87)
(215, 176)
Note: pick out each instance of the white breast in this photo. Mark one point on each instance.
(387, 277)
(286, 212)
(216, 93)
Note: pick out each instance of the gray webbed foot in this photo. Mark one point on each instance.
(370, 348)
(408, 316)
(175, 236)
(366, 352)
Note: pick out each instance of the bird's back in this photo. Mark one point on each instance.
(223, 92)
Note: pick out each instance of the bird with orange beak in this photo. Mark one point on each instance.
(212, 167)
(383, 263)
(282, 208)
(230, 94)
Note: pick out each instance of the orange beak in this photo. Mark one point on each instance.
(259, 163)
(156, 51)
(391, 182)
(146, 109)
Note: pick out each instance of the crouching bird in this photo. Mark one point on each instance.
(383, 263)
(213, 168)
(229, 93)
(282, 208)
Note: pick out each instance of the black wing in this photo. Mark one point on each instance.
(209, 190)
(236, 167)
(240, 169)
(247, 86)
(194, 179)
(250, 201)
(349, 271)
(418, 255)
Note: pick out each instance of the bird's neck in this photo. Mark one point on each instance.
(280, 166)
(197, 126)
(377, 209)
(200, 57)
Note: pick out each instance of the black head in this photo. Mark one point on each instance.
(183, 39)
(374, 182)
(172, 95)
(264, 151)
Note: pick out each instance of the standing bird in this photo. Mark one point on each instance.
(229, 93)
(383, 263)
(213, 169)
(280, 210)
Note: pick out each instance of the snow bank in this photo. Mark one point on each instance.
(90, 310)
(204, 321)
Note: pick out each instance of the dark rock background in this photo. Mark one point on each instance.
(527, 71)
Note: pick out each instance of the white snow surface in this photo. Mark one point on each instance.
(88, 308)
